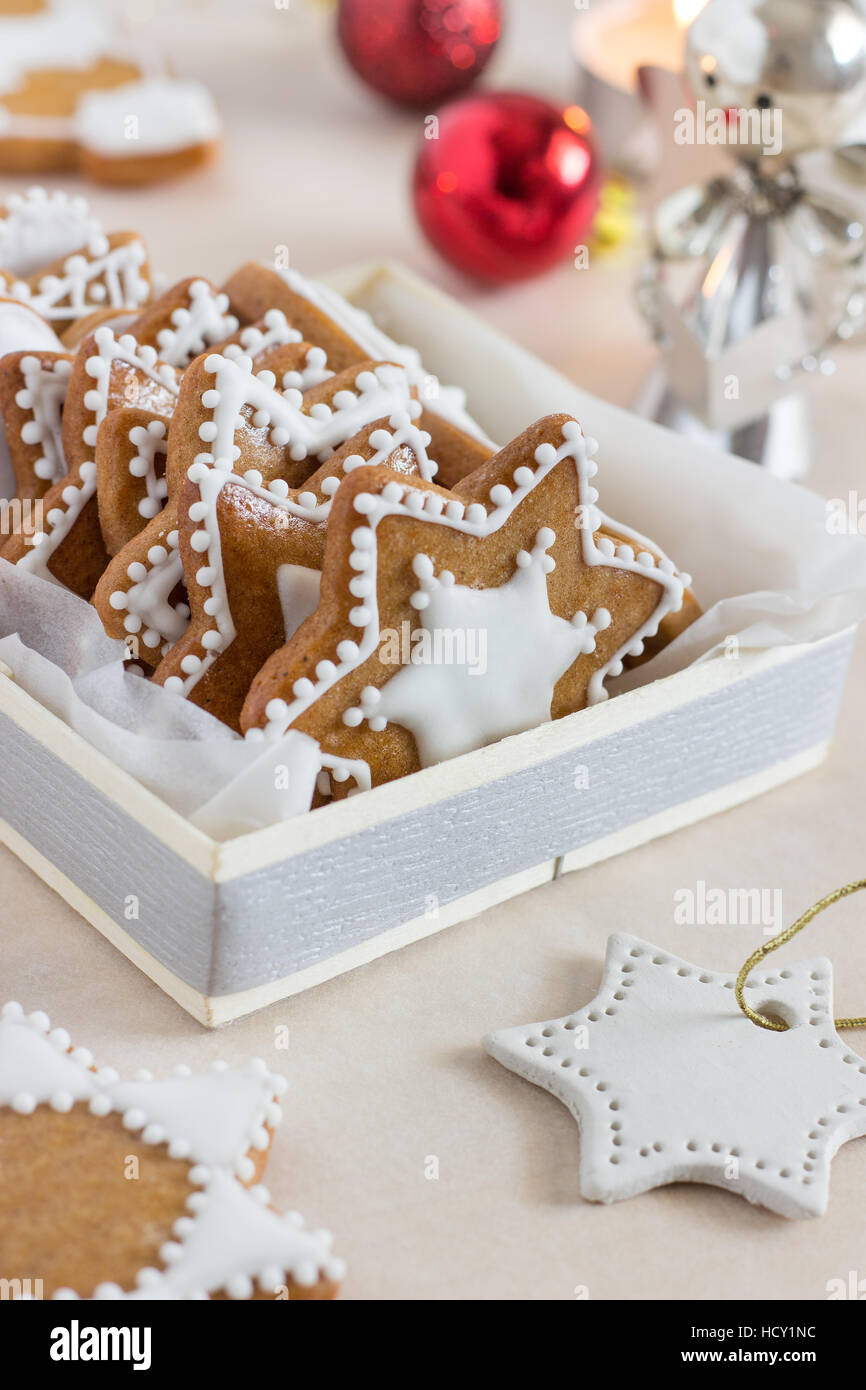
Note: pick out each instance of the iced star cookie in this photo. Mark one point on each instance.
(108, 372)
(184, 321)
(236, 411)
(136, 592)
(450, 619)
(252, 555)
(108, 272)
(348, 336)
(144, 1189)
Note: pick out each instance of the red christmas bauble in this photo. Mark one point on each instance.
(508, 185)
(418, 52)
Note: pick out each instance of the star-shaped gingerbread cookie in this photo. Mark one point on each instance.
(450, 619)
(108, 373)
(143, 1189)
(349, 336)
(670, 1082)
(108, 272)
(232, 411)
(252, 556)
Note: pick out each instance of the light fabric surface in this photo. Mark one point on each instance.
(387, 1080)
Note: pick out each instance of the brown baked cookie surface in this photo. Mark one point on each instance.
(145, 1189)
(262, 548)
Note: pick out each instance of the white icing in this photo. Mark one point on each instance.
(23, 329)
(231, 1240)
(60, 520)
(378, 394)
(156, 116)
(43, 396)
(99, 277)
(146, 600)
(63, 36)
(213, 1118)
(196, 326)
(150, 445)
(670, 1082)
(236, 1243)
(299, 589)
(40, 228)
(511, 651)
(273, 330)
(447, 401)
(475, 520)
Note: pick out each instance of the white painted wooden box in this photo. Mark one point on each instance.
(227, 928)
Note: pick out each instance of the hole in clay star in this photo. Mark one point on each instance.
(778, 1012)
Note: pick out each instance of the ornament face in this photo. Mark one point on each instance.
(801, 62)
(670, 1082)
(510, 185)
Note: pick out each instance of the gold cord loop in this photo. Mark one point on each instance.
(778, 1025)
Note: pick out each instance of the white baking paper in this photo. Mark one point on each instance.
(56, 647)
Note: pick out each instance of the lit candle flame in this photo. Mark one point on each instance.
(687, 10)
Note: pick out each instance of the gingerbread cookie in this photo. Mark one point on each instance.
(21, 328)
(146, 132)
(108, 373)
(184, 321)
(450, 619)
(348, 335)
(165, 1177)
(230, 408)
(76, 93)
(252, 556)
(32, 396)
(108, 272)
(130, 473)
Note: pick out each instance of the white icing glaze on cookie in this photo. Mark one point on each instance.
(147, 600)
(100, 277)
(42, 397)
(299, 589)
(475, 520)
(60, 520)
(505, 653)
(24, 329)
(387, 383)
(215, 1117)
(156, 116)
(150, 445)
(231, 1240)
(447, 401)
(40, 228)
(196, 326)
(273, 330)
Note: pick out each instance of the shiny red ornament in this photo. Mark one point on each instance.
(418, 52)
(508, 186)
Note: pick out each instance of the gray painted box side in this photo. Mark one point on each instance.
(296, 913)
(221, 939)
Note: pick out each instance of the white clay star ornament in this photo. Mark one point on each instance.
(670, 1082)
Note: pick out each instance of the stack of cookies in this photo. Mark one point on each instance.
(286, 520)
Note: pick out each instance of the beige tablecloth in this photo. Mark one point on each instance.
(384, 1065)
